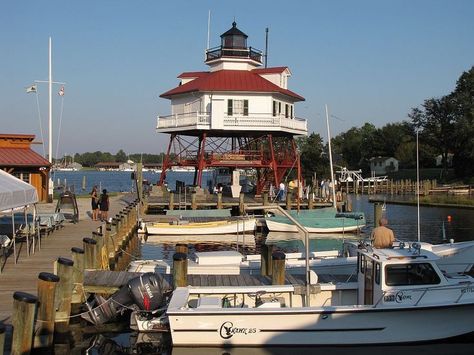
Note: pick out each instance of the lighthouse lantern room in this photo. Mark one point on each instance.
(236, 115)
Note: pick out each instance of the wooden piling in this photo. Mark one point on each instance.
(171, 201)
(180, 270)
(278, 266)
(242, 203)
(265, 198)
(310, 202)
(181, 248)
(63, 294)
(99, 238)
(23, 318)
(219, 200)
(77, 275)
(90, 257)
(266, 260)
(288, 200)
(377, 213)
(2, 338)
(46, 310)
(193, 201)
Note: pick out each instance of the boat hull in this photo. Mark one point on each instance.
(325, 326)
(284, 227)
(231, 227)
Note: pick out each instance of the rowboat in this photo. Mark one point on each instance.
(187, 227)
(323, 220)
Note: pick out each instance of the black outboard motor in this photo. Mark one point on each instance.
(147, 292)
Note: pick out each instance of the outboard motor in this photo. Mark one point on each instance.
(147, 292)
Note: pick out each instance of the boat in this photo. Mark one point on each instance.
(321, 220)
(400, 295)
(207, 227)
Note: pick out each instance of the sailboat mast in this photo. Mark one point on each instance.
(418, 188)
(334, 203)
(50, 121)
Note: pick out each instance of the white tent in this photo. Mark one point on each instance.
(14, 194)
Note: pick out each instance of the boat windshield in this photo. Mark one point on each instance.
(411, 274)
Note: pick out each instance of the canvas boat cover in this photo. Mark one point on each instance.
(15, 193)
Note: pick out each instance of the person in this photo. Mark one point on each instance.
(94, 203)
(382, 237)
(104, 205)
(281, 192)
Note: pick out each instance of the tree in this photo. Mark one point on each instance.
(463, 99)
(436, 120)
(121, 157)
(313, 160)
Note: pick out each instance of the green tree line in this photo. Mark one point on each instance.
(89, 159)
(445, 126)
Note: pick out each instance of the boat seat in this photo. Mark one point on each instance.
(209, 302)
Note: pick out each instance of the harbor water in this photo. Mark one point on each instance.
(434, 227)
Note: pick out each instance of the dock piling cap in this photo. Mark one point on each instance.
(77, 250)
(89, 241)
(25, 297)
(278, 255)
(179, 256)
(65, 261)
(47, 276)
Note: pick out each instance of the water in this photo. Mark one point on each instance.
(118, 181)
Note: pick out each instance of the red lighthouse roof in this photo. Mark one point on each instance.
(231, 80)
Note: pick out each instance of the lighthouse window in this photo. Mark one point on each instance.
(287, 110)
(238, 107)
(291, 111)
(274, 108)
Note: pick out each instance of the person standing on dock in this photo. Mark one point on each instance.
(382, 237)
(281, 192)
(94, 203)
(104, 205)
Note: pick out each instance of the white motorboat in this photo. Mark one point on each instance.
(401, 296)
(186, 227)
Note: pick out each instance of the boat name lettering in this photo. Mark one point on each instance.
(227, 330)
(467, 290)
(400, 297)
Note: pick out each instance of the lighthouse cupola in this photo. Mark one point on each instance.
(233, 53)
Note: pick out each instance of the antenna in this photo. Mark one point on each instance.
(208, 28)
(266, 47)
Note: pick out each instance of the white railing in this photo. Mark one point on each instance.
(203, 121)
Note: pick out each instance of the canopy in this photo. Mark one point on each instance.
(15, 193)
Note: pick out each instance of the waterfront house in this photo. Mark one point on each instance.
(383, 165)
(18, 159)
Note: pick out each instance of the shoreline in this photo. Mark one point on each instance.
(424, 204)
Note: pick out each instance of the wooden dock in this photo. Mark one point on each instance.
(23, 276)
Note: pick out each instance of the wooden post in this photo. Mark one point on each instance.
(241, 204)
(377, 213)
(77, 275)
(23, 319)
(310, 202)
(2, 338)
(180, 270)
(265, 198)
(64, 294)
(219, 200)
(171, 201)
(90, 258)
(46, 310)
(181, 248)
(98, 237)
(288, 200)
(266, 260)
(278, 265)
(193, 201)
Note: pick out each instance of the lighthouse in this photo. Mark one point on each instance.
(237, 115)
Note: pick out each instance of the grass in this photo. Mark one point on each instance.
(447, 200)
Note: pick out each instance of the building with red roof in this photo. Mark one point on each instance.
(17, 158)
(237, 108)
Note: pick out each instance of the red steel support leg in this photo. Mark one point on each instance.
(298, 164)
(166, 161)
(201, 163)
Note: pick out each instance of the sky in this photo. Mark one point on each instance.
(369, 61)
